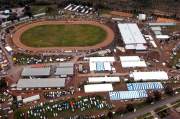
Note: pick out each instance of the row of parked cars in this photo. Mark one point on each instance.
(4, 63)
(44, 111)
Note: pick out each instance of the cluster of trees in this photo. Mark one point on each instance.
(3, 84)
(157, 95)
(4, 4)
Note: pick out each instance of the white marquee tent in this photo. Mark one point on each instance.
(103, 79)
(132, 61)
(98, 88)
(154, 75)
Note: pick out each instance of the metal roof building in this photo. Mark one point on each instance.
(64, 69)
(41, 83)
(67, 64)
(28, 71)
(132, 36)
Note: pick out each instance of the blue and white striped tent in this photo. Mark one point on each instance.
(144, 86)
(100, 66)
(125, 95)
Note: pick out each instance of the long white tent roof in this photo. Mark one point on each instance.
(132, 61)
(102, 59)
(103, 79)
(131, 33)
(163, 24)
(162, 36)
(157, 28)
(98, 88)
(41, 83)
(31, 98)
(129, 58)
(134, 64)
(154, 75)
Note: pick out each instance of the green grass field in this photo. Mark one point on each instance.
(63, 35)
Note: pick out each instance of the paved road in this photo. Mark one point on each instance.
(149, 108)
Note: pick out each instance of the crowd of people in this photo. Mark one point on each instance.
(3, 59)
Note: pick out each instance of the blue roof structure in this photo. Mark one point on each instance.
(100, 66)
(144, 86)
(125, 95)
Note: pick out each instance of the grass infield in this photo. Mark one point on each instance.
(70, 35)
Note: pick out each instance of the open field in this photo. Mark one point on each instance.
(63, 35)
(75, 35)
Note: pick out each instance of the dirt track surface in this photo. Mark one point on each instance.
(18, 32)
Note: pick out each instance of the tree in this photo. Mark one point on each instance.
(149, 99)
(50, 10)
(169, 90)
(3, 84)
(130, 107)
(13, 17)
(121, 110)
(110, 115)
(157, 95)
(27, 11)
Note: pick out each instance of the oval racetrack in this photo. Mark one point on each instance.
(24, 27)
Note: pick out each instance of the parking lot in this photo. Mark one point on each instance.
(68, 108)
